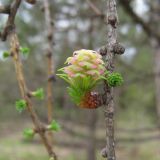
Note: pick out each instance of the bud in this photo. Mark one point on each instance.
(28, 133)
(54, 126)
(112, 20)
(114, 79)
(25, 50)
(21, 105)
(118, 49)
(6, 54)
(39, 93)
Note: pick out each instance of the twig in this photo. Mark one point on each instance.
(5, 9)
(95, 9)
(10, 22)
(49, 54)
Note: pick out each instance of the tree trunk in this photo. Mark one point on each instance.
(155, 22)
(157, 79)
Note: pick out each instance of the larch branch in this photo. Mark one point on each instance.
(112, 21)
(50, 65)
(5, 9)
(145, 25)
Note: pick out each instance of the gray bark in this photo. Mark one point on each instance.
(156, 59)
(155, 43)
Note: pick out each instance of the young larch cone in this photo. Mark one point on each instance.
(85, 70)
(91, 100)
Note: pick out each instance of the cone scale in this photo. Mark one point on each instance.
(91, 100)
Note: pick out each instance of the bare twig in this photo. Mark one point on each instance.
(95, 9)
(5, 9)
(10, 22)
(49, 54)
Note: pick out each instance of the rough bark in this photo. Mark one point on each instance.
(156, 59)
(112, 21)
(155, 43)
(50, 66)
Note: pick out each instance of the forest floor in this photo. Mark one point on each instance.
(71, 144)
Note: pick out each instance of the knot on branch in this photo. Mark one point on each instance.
(52, 78)
(118, 48)
(104, 152)
(41, 129)
(103, 51)
(112, 20)
(50, 36)
(49, 53)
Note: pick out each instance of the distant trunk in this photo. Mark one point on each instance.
(91, 144)
(157, 78)
(155, 22)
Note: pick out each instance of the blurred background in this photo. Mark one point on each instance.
(82, 136)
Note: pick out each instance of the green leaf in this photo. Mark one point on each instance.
(28, 133)
(114, 79)
(54, 126)
(106, 73)
(25, 50)
(6, 54)
(64, 77)
(61, 69)
(39, 93)
(21, 105)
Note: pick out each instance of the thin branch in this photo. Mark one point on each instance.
(10, 22)
(5, 9)
(112, 20)
(146, 26)
(49, 54)
(95, 9)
